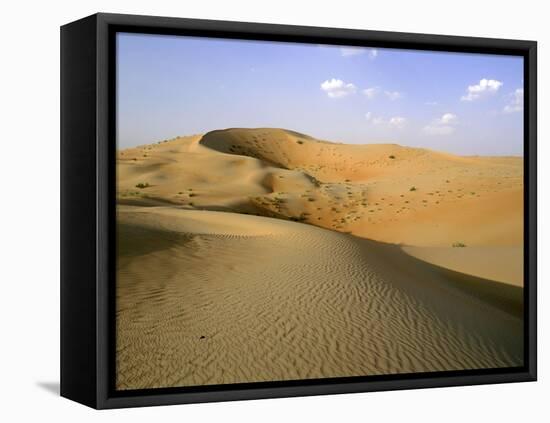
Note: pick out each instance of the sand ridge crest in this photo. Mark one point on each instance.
(384, 192)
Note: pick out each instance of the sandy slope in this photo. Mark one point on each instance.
(383, 192)
(503, 264)
(208, 293)
(209, 297)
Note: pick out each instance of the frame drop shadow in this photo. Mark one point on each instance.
(50, 387)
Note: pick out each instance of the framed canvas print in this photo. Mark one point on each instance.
(255, 211)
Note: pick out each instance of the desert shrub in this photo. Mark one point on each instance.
(300, 142)
(412, 189)
(301, 218)
(192, 194)
(392, 156)
(142, 185)
(459, 245)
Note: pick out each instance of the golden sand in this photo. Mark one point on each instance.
(264, 254)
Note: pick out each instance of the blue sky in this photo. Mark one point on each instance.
(460, 103)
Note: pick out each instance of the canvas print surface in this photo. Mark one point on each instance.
(297, 211)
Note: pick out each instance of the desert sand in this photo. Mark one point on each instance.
(252, 255)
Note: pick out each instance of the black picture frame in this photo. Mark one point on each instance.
(88, 198)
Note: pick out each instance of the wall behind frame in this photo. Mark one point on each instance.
(29, 316)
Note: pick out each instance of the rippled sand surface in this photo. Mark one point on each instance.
(207, 297)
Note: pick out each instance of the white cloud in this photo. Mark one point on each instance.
(393, 95)
(336, 88)
(444, 125)
(356, 51)
(516, 104)
(438, 129)
(371, 92)
(448, 119)
(395, 122)
(351, 51)
(398, 121)
(485, 87)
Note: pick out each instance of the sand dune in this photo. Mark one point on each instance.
(403, 260)
(383, 192)
(226, 298)
(502, 264)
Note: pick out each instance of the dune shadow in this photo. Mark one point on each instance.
(145, 202)
(135, 240)
(508, 298)
(505, 297)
